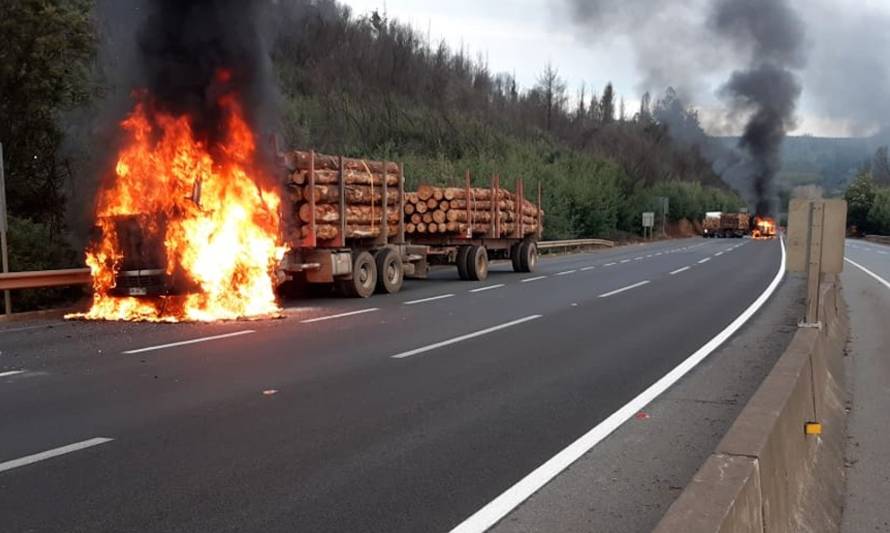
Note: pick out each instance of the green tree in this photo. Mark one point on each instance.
(860, 196)
(607, 104)
(879, 214)
(45, 64)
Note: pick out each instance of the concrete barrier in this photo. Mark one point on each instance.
(879, 239)
(768, 474)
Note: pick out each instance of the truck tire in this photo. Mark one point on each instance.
(390, 274)
(514, 257)
(528, 256)
(462, 254)
(364, 277)
(477, 263)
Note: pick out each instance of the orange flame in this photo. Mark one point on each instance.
(217, 227)
(764, 228)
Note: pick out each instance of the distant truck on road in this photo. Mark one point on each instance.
(726, 225)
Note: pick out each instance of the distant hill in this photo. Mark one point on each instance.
(829, 162)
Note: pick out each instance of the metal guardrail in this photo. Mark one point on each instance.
(574, 243)
(81, 276)
(880, 239)
(44, 278)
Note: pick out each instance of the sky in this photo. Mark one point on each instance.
(845, 81)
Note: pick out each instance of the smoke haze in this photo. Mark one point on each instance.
(760, 41)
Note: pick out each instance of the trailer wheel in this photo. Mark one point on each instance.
(477, 263)
(389, 271)
(528, 256)
(364, 277)
(515, 252)
(462, 254)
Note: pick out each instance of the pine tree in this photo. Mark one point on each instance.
(607, 104)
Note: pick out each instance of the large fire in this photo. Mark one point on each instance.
(216, 227)
(764, 228)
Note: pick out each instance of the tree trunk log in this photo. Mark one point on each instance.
(355, 194)
(300, 160)
(355, 214)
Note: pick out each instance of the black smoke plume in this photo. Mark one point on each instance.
(770, 94)
(190, 52)
(768, 90)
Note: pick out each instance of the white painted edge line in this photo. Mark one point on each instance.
(659, 253)
(462, 338)
(638, 258)
(11, 373)
(882, 252)
(536, 278)
(341, 315)
(718, 254)
(55, 452)
(625, 260)
(494, 511)
(684, 269)
(488, 288)
(192, 341)
(432, 299)
(565, 273)
(879, 279)
(587, 269)
(705, 260)
(625, 289)
(610, 264)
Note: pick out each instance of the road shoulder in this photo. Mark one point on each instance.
(629, 480)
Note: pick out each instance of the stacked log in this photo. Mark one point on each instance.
(361, 184)
(448, 210)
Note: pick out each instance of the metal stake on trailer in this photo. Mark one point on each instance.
(540, 231)
(401, 210)
(383, 238)
(310, 241)
(341, 242)
(470, 218)
(518, 232)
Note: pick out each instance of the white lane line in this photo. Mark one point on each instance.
(705, 260)
(625, 261)
(566, 273)
(659, 253)
(488, 288)
(55, 452)
(26, 328)
(462, 338)
(424, 300)
(341, 315)
(11, 373)
(625, 289)
(684, 269)
(610, 264)
(882, 252)
(494, 511)
(718, 254)
(587, 269)
(536, 278)
(648, 257)
(192, 341)
(879, 279)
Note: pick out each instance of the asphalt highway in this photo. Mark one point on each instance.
(398, 413)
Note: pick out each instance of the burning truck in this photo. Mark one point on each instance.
(189, 231)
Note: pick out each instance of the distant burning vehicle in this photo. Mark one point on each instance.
(764, 228)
